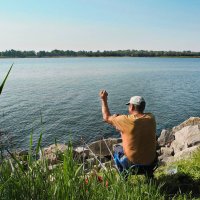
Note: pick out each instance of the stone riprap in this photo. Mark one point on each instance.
(175, 144)
(184, 140)
(104, 147)
(166, 137)
(97, 153)
(52, 153)
(189, 122)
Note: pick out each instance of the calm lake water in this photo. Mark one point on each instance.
(64, 91)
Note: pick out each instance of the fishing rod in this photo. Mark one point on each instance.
(94, 155)
(110, 153)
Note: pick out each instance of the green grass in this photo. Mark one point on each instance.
(68, 181)
(28, 178)
(187, 179)
(4, 81)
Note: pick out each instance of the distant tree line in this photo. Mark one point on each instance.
(119, 53)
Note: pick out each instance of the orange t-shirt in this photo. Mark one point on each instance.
(138, 137)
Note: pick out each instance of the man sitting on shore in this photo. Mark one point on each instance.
(138, 133)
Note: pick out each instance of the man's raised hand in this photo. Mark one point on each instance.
(103, 94)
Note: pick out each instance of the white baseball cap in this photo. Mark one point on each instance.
(136, 100)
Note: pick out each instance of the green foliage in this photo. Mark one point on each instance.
(118, 53)
(34, 179)
(191, 167)
(185, 184)
(4, 81)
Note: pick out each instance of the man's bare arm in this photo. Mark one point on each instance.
(104, 105)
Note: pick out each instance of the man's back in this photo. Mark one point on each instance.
(138, 136)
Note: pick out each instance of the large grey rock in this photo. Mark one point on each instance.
(183, 139)
(177, 146)
(82, 152)
(181, 155)
(189, 122)
(167, 151)
(193, 140)
(161, 157)
(165, 138)
(52, 153)
(100, 147)
(186, 153)
(188, 136)
(166, 160)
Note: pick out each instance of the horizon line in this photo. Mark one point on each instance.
(100, 50)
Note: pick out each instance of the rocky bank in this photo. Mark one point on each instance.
(180, 141)
(172, 145)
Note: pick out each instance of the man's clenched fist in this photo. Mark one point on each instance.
(103, 94)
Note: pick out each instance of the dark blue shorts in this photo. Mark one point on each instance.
(123, 164)
(121, 161)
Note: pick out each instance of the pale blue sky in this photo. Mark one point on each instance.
(100, 24)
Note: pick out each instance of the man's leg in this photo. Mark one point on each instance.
(121, 161)
(125, 163)
(117, 162)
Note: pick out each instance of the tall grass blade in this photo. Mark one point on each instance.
(30, 149)
(16, 160)
(4, 81)
(78, 170)
(39, 144)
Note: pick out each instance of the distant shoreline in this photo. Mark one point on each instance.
(96, 54)
(105, 57)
